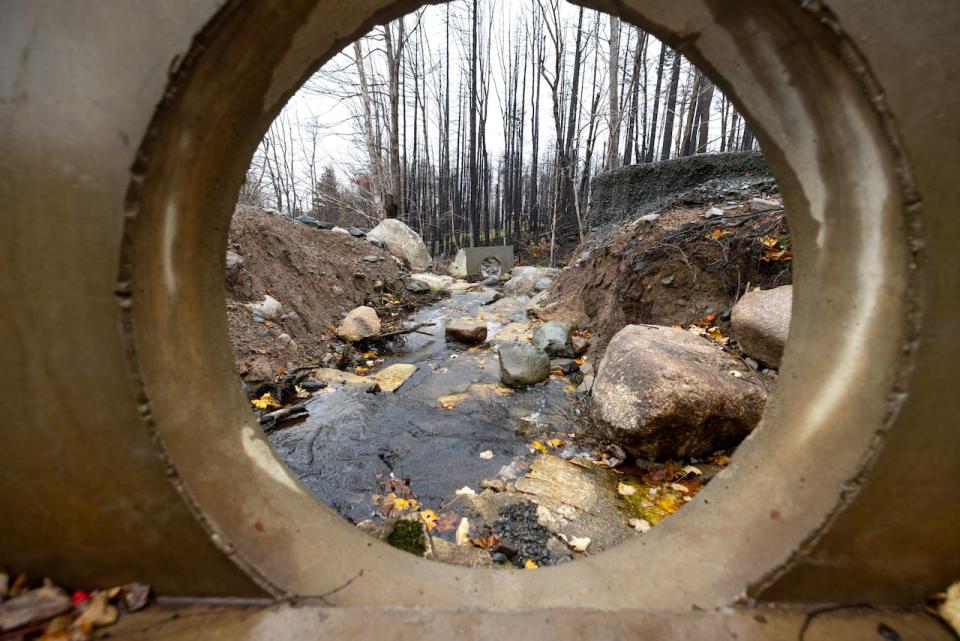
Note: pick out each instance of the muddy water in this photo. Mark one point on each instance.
(351, 436)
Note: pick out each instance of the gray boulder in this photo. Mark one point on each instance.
(554, 338)
(234, 264)
(402, 242)
(663, 392)
(416, 285)
(523, 280)
(761, 322)
(523, 364)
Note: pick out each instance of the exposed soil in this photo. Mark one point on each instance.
(675, 270)
(318, 276)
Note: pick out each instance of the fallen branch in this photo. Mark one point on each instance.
(403, 332)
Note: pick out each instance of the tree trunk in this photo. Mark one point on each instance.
(670, 107)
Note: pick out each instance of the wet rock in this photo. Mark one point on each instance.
(523, 280)
(495, 485)
(761, 322)
(371, 259)
(269, 308)
(356, 232)
(330, 376)
(359, 324)
(402, 242)
(565, 365)
(287, 342)
(389, 379)
(553, 337)
(466, 332)
(580, 345)
(522, 364)
(576, 501)
(662, 392)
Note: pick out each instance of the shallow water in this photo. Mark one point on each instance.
(352, 436)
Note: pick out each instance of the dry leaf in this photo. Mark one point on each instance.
(540, 447)
(265, 402)
(429, 518)
(98, 613)
(463, 532)
(579, 543)
(466, 490)
(486, 455)
(949, 610)
(530, 564)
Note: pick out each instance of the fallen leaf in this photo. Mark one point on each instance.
(555, 442)
(429, 518)
(447, 521)
(265, 402)
(769, 241)
(486, 455)
(450, 401)
(369, 355)
(687, 470)
(949, 610)
(135, 596)
(466, 490)
(530, 564)
(540, 447)
(99, 613)
(33, 606)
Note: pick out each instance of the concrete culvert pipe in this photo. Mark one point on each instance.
(129, 451)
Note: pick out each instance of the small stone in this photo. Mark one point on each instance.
(669, 279)
(507, 548)
(337, 290)
(499, 557)
(565, 365)
(493, 484)
(714, 212)
(580, 345)
(371, 259)
(357, 233)
(269, 308)
(542, 284)
(754, 365)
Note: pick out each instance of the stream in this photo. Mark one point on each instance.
(440, 427)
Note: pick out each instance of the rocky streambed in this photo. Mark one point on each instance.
(425, 447)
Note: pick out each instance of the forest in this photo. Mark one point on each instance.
(484, 122)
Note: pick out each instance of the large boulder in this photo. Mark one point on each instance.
(524, 280)
(359, 324)
(522, 364)
(402, 242)
(761, 322)
(267, 309)
(554, 338)
(663, 392)
(424, 283)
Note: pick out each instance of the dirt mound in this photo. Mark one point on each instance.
(675, 270)
(317, 275)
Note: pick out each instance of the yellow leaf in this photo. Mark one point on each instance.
(556, 442)
(265, 402)
(361, 371)
(770, 241)
(540, 447)
(719, 233)
(715, 334)
(530, 564)
(668, 504)
(402, 505)
(369, 355)
(430, 518)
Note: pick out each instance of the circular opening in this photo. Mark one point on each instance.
(834, 165)
(422, 439)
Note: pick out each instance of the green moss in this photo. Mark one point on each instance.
(408, 536)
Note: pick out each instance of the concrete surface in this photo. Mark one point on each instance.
(132, 454)
(468, 260)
